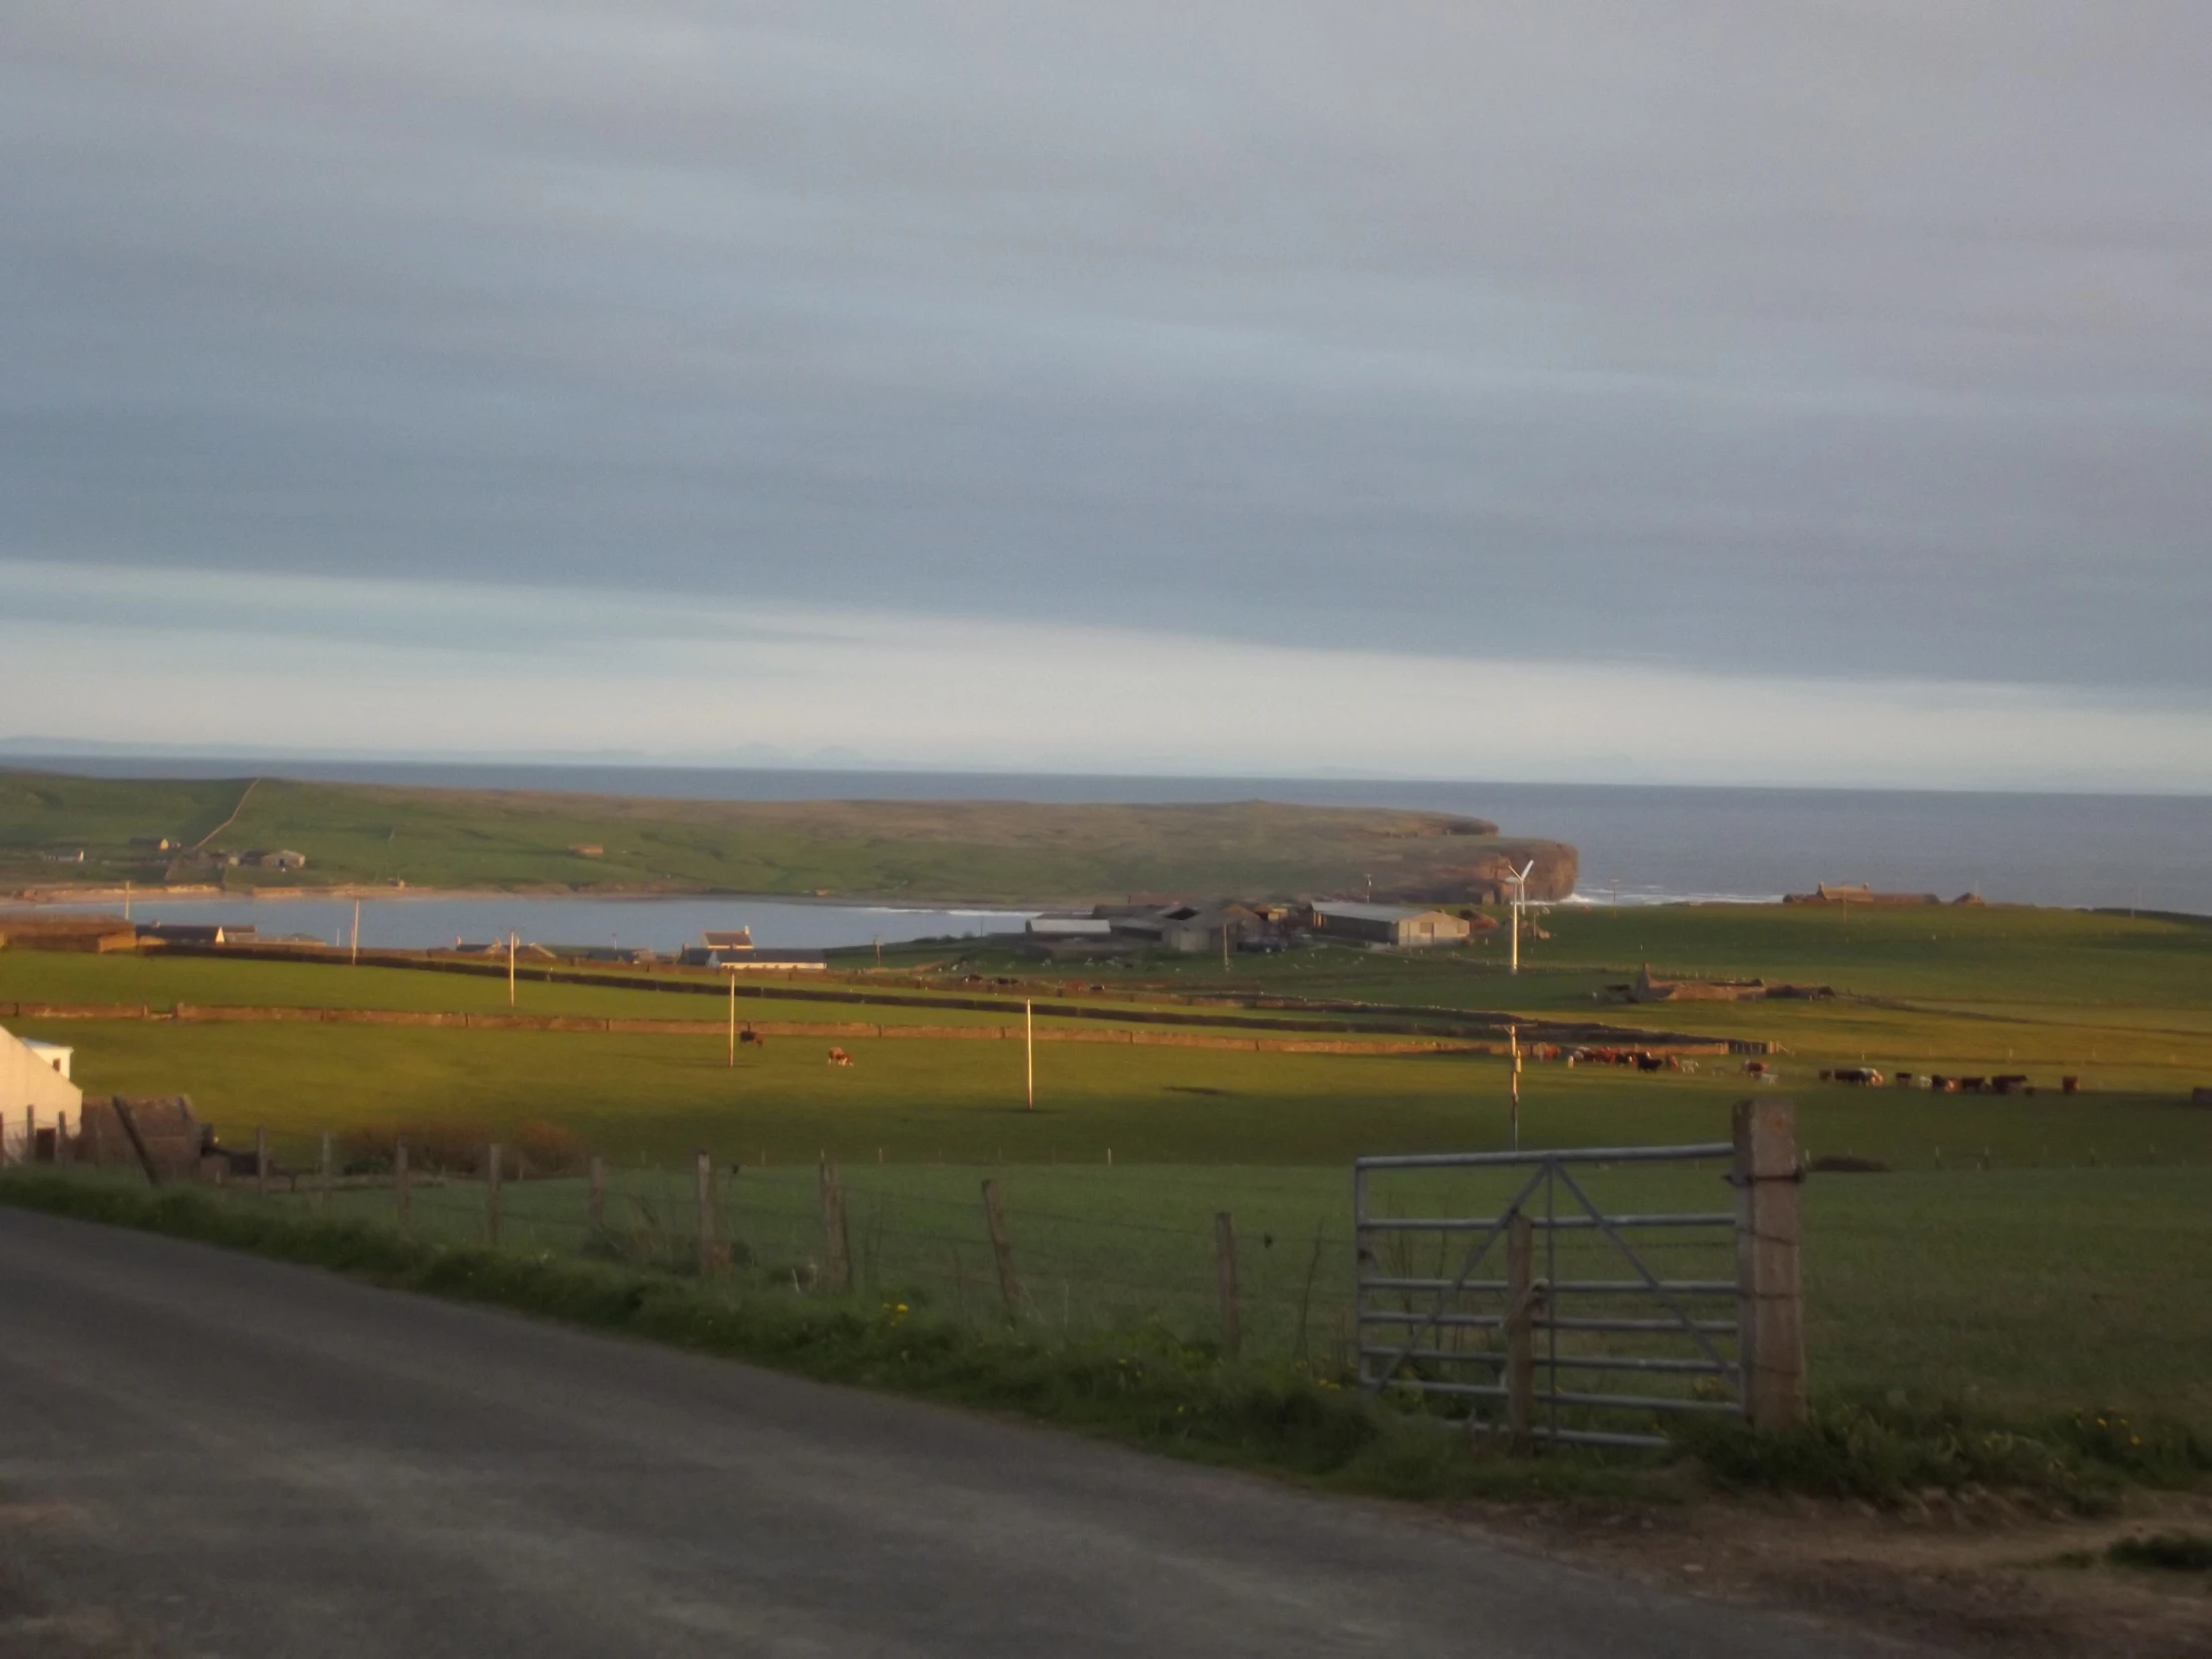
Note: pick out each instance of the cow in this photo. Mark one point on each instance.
(749, 1035)
(838, 1058)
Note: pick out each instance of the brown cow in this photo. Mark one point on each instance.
(838, 1058)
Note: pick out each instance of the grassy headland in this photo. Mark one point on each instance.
(945, 851)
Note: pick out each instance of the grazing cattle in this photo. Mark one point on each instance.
(749, 1035)
(1863, 1076)
(1755, 1068)
(838, 1058)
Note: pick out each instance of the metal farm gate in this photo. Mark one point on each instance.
(1561, 1314)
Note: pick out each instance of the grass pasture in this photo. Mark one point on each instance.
(2034, 1254)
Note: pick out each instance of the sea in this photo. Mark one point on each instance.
(1639, 845)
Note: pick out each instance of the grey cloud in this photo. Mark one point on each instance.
(1851, 339)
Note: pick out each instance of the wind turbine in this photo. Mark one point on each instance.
(1519, 879)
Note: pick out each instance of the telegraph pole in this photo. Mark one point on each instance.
(1029, 1033)
(510, 967)
(1512, 1033)
(733, 974)
(355, 959)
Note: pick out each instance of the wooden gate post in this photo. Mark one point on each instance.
(261, 1162)
(491, 1195)
(399, 1193)
(322, 1172)
(1002, 1249)
(1520, 1332)
(704, 1197)
(837, 1252)
(1225, 1282)
(1770, 1311)
(595, 1205)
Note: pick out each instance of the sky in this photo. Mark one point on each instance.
(1731, 392)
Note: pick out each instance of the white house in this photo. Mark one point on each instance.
(34, 1078)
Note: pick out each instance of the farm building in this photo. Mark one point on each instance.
(34, 1078)
(768, 961)
(36, 930)
(1646, 988)
(1844, 893)
(166, 1134)
(200, 932)
(1389, 925)
(1069, 927)
(1191, 930)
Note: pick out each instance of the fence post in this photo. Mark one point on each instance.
(1225, 1282)
(30, 1136)
(1520, 1332)
(596, 1204)
(323, 1182)
(491, 1194)
(399, 1177)
(704, 1180)
(1769, 1305)
(261, 1162)
(1002, 1249)
(836, 1255)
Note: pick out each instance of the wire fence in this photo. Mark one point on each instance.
(1257, 1264)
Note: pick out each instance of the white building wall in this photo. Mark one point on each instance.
(28, 1079)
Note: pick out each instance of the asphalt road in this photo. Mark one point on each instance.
(204, 1453)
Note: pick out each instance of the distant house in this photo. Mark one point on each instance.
(72, 855)
(283, 857)
(718, 947)
(200, 932)
(767, 961)
(1389, 925)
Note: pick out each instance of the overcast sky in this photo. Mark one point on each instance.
(1730, 392)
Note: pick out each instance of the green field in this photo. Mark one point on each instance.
(982, 852)
(2034, 1254)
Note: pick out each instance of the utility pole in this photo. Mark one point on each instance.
(733, 974)
(1512, 1033)
(1029, 1032)
(355, 959)
(126, 898)
(879, 952)
(510, 967)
